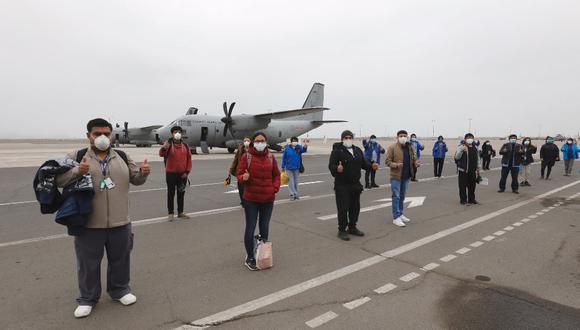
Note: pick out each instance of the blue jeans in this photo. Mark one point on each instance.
(293, 176)
(398, 189)
(253, 210)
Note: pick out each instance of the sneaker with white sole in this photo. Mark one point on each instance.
(128, 299)
(83, 311)
(405, 219)
(399, 222)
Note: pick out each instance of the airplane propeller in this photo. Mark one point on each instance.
(228, 118)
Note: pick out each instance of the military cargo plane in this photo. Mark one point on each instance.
(207, 131)
(139, 136)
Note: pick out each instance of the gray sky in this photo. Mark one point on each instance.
(386, 64)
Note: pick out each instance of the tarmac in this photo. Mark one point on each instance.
(511, 262)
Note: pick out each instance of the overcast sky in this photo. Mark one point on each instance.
(386, 65)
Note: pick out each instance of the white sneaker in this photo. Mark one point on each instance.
(128, 299)
(405, 219)
(83, 311)
(399, 222)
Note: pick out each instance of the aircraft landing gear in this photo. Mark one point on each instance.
(231, 150)
(193, 150)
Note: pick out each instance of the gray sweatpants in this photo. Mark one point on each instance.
(568, 164)
(89, 248)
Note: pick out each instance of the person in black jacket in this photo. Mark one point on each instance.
(549, 155)
(527, 162)
(512, 153)
(487, 153)
(467, 159)
(345, 165)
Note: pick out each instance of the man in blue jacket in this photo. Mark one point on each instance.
(292, 164)
(512, 156)
(439, 151)
(569, 154)
(373, 151)
(418, 147)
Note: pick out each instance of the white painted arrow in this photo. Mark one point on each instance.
(414, 202)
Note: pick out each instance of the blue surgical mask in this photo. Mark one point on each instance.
(513, 141)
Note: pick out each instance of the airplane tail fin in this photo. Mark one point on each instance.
(315, 99)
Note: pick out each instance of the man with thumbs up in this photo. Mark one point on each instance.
(108, 226)
(345, 165)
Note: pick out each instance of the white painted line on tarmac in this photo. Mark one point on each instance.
(540, 213)
(517, 224)
(363, 264)
(488, 238)
(476, 244)
(18, 203)
(463, 250)
(508, 228)
(386, 288)
(320, 320)
(430, 266)
(448, 258)
(363, 210)
(282, 186)
(533, 216)
(499, 233)
(356, 303)
(525, 220)
(409, 277)
(546, 210)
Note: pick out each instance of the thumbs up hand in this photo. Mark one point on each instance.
(145, 168)
(84, 166)
(340, 168)
(246, 176)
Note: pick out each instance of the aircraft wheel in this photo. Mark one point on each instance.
(231, 150)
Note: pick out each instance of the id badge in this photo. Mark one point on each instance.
(109, 183)
(102, 184)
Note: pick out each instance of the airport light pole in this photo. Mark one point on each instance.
(469, 130)
(433, 122)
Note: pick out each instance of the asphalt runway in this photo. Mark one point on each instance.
(510, 263)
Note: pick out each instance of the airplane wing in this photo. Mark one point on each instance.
(150, 128)
(290, 113)
(329, 121)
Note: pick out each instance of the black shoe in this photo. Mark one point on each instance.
(473, 202)
(374, 185)
(542, 177)
(251, 264)
(501, 190)
(367, 186)
(516, 192)
(354, 231)
(414, 180)
(343, 235)
(463, 203)
(528, 184)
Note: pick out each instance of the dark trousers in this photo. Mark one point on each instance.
(414, 176)
(241, 192)
(486, 161)
(467, 182)
(173, 180)
(256, 214)
(505, 170)
(438, 166)
(370, 174)
(89, 249)
(547, 165)
(348, 206)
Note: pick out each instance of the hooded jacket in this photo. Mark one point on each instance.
(513, 153)
(264, 181)
(352, 164)
(549, 153)
(371, 147)
(292, 157)
(529, 150)
(418, 147)
(566, 147)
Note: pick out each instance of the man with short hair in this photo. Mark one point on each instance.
(418, 148)
(468, 167)
(108, 226)
(345, 164)
(439, 151)
(569, 154)
(373, 151)
(401, 159)
(513, 154)
(177, 157)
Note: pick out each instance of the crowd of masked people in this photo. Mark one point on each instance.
(89, 189)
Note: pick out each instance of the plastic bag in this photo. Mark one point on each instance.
(284, 177)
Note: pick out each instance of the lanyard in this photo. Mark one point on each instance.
(104, 165)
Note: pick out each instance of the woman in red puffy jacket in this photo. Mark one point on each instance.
(259, 172)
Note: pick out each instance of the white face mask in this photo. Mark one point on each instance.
(569, 142)
(347, 143)
(413, 139)
(246, 144)
(513, 141)
(373, 141)
(294, 143)
(260, 146)
(526, 142)
(402, 139)
(469, 141)
(177, 136)
(102, 143)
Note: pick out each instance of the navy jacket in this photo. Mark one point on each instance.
(371, 147)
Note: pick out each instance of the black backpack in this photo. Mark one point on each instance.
(81, 153)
